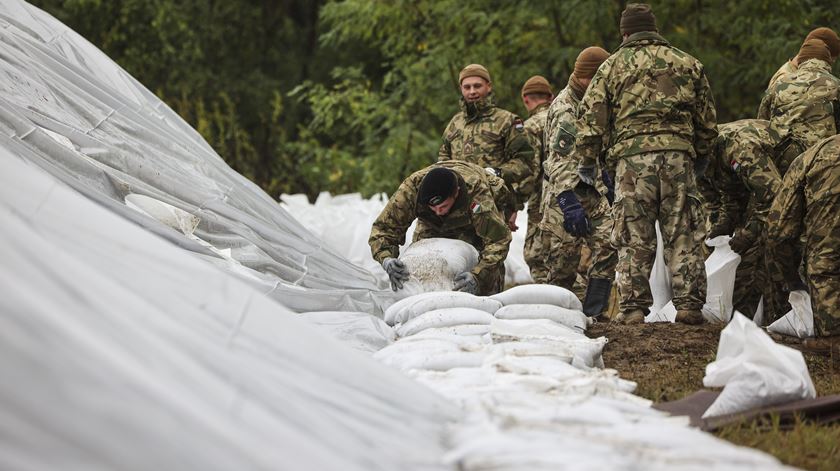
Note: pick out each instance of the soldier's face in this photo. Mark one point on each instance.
(475, 88)
(444, 207)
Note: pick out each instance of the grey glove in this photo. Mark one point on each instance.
(587, 174)
(397, 272)
(466, 282)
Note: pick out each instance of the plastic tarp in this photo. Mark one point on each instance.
(70, 110)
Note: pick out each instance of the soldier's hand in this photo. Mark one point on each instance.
(397, 272)
(586, 173)
(719, 230)
(740, 244)
(466, 282)
(511, 222)
(575, 221)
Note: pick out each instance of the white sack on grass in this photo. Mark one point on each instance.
(570, 318)
(446, 317)
(798, 322)
(516, 270)
(754, 371)
(360, 330)
(406, 309)
(434, 263)
(720, 280)
(539, 294)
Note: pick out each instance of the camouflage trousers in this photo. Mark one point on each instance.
(754, 278)
(825, 300)
(658, 186)
(536, 245)
(564, 251)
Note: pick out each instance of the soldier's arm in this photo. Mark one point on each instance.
(445, 150)
(495, 234)
(388, 231)
(759, 174)
(593, 117)
(765, 106)
(785, 219)
(705, 118)
(519, 168)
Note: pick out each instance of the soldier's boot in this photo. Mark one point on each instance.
(822, 345)
(636, 316)
(690, 317)
(597, 297)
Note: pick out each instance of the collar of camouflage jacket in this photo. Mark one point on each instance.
(644, 38)
(479, 108)
(539, 108)
(815, 64)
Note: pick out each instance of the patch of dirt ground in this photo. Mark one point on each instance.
(668, 362)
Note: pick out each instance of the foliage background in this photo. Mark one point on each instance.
(308, 96)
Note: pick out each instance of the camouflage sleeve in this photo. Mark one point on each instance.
(787, 211)
(388, 231)
(502, 195)
(593, 117)
(445, 151)
(495, 235)
(765, 106)
(705, 118)
(519, 168)
(564, 158)
(758, 173)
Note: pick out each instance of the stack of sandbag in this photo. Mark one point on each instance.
(434, 263)
(542, 302)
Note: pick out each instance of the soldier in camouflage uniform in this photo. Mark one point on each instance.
(489, 136)
(826, 35)
(744, 170)
(804, 106)
(651, 105)
(454, 200)
(536, 96)
(807, 207)
(565, 186)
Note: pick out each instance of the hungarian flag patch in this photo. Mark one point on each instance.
(475, 207)
(735, 165)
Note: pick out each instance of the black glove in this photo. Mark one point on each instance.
(397, 272)
(740, 244)
(575, 221)
(466, 282)
(719, 230)
(610, 184)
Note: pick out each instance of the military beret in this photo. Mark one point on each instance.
(474, 70)
(437, 185)
(637, 17)
(537, 84)
(829, 37)
(814, 49)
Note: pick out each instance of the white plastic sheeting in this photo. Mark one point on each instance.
(67, 108)
(120, 350)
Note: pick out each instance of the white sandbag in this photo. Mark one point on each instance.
(406, 309)
(434, 263)
(529, 329)
(445, 317)
(720, 279)
(574, 319)
(799, 321)
(660, 275)
(360, 330)
(754, 371)
(539, 294)
(465, 330)
(564, 351)
(428, 346)
(438, 361)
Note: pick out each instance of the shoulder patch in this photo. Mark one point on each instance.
(735, 165)
(475, 207)
(564, 140)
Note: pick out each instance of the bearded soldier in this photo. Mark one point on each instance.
(489, 136)
(804, 106)
(807, 208)
(576, 213)
(536, 96)
(651, 106)
(454, 200)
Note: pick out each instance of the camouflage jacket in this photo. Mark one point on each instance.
(478, 216)
(805, 104)
(646, 97)
(743, 169)
(786, 69)
(488, 136)
(808, 202)
(535, 130)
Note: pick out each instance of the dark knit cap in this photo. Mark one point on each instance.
(637, 17)
(829, 37)
(440, 183)
(589, 60)
(813, 49)
(537, 84)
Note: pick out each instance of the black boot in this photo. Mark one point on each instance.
(597, 296)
